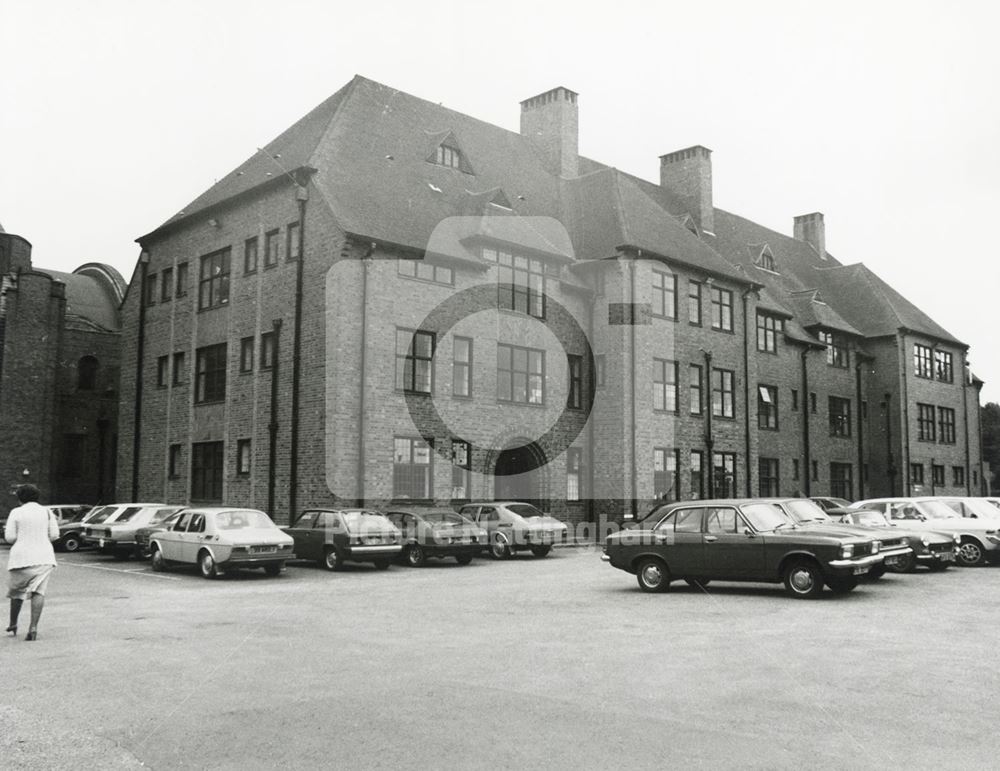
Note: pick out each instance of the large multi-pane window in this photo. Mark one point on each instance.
(695, 387)
(461, 366)
(574, 400)
(520, 374)
(213, 283)
(722, 393)
(946, 425)
(836, 349)
(520, 281)
(694, 302)
(664, 385)
(926, 423)
(841, 481)
(767, 407)
(574, 462)
(664, 294)
(724, 474)
(697, 475)
(666, 473)
(722, 309)
(944, 369)
(448, 156)
(210, 374)
(461, 469)
(768, 328)
(411, 468)
(206, 472)
(840, 416)
(425, 271)
(767, 477)
(917, 473)
(922, 361)
(414, 361)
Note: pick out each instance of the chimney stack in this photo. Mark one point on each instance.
(550, 120)
(688, 173)
(811, 229)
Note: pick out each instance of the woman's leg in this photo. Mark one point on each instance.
(15, 611)
(37, 603)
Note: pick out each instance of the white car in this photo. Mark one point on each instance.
(218, 538)
(511, 526)
(979, 539)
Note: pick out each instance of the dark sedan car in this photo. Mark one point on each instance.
(335, 536)
(738, 540)
(935, 550)
(430, 532)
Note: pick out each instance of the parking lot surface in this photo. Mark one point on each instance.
(557, 662)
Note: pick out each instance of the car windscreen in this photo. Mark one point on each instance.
(102, 515)
(524, 510)
(982, 508)
(444, 518)
(805, 511)
(240, 519)
(870, 518)
(936, 510)
(126, 515)
(360, 521)
(764, 516)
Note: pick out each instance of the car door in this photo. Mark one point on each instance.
(193, 538)
(308, 540)
(172, 540)
(728, 552)
(678, 538)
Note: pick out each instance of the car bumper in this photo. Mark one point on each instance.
(856, 567)
(452, 549)
(892, 557)
(250, 560)
(372, 552)
(937, 556)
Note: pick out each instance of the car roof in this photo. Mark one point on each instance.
(419, 510)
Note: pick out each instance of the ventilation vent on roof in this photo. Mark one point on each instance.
(449, 153)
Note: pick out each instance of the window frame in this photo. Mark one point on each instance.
(926, 422)
(768, 477)
(923, 361)
(251, 255)
(946, 425)
(461, 369)
(664, 293)
(413, 444)
(663, 459)
(244, 457)
(213, 289)
(417, 363)
(666, 393)
(529, 375)
(767, 411)
(207, 480)
(768, 327)
(722, 301)
(574, 376)
(208, 378)
(694, 302)
(293, 242)
(719, 387)
(839, 420)
(837, 350)
(248, 346)
(272, 248)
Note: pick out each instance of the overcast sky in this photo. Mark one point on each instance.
(882, 115)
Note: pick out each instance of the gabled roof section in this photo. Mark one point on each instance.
(448, 140)
(763, 257)
(812, 311)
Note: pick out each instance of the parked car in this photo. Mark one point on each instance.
(979, 538)
(217, 539)
(65, 513)
(739, 540)
(830, 504)
(934, 549)
(512, 526)
(143, 534)
(436, 532)
(71, 534)
(972, 508)
(335, 536)
(117, 536)
(807, 513)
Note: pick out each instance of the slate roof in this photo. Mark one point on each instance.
(92, 298)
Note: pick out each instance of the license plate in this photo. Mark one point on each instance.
(947, 557)
(894, 560)
(262, 549)
(858, 571)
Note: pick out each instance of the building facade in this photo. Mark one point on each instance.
(393, 301)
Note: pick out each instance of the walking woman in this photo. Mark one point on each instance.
(31, 529)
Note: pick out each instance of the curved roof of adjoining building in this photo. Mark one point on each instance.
(94, 293)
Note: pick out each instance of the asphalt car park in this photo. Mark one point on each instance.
(523, 663)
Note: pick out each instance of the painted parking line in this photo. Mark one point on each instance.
(139, 572)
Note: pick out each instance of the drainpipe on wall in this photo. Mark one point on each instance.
(635, 480)
(890, 469)
(590, 419)
(904, 406)
(806, 406)
(301, 195)
(861, 428)
(366, 264)
(708, 467)
(140, 352)
(746, 388)
(965, 420)
(272, 427)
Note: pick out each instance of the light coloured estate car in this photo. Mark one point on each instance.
(512, 526)
(218, 538)
(117, 536)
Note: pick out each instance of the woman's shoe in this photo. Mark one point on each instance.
(31, 636)
(12, 629)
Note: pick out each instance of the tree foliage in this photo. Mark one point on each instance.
(991, 441)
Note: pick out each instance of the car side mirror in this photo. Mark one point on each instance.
(749, 533)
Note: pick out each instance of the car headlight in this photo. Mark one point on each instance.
(925, 541)
(876, 545)
(847, 551)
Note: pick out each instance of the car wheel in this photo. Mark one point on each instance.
(331, 559)
(652, 575)
(697, 583)
(383, 564)
(906, 564)
(970, 553)
(464, 559)
(71, 543)
(499, 548)
(843, 585)
(540, 551)
(157, 562)
(273, 568)
(876, 572)
(415, 556)
(803, 579)
(206, 564)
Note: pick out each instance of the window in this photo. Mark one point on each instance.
(179, 368)
(243, 457)
(722, 393)
(697, 477)
(213, 286)
(664, 295)
(815, 470)
(724, 474)
(151, 289)
(425, 271)
(767, 407)
(926, 423)
(520, 374)
(695, 388)
(292, 244)
(922, 361)
(812, 402)
(182, 279)
(414, 361)
(841, 481)
(411, 469)
(943, 367)
(795, 399)
(206, 471)
(767, 332)
(766, 261)
(694, 303)
(268, 344)
(937, 475)
(795, 468)
(461, 474)
(946, 425)
(250, 255)
(664, 385)
(210, 374)
(461, 363)
(247, 345)
(72, 455)
(599, 370)
(162, 371)
(840, 416)
(958, 476)
(574, 399)
(86, 373)
(520, 282)
(722, 309)
(574, 460)
(836, 349)
(666, 473)
(767, 474)
(448, 156)
(166, 285)
(917, 473)
(271, 248)
(174, 461)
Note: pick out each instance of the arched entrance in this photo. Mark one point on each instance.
(518, 475)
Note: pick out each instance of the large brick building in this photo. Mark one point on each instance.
(395, 300)
(59, 348)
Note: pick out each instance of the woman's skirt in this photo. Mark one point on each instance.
(23, 582)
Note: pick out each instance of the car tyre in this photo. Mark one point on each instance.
(540, 551)
(652, 575)
(157, 562)
(843, 585)
(907, 564)
(415, 556)
(207, 566)
(382, 564)
(970, 553)
(331, 559)
(697, 583)
(803, 580)
(499, 547)
(273, 568)
(71, 542)
(463, 559)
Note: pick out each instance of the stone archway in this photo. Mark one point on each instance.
(517, 475)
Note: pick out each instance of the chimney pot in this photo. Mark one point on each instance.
(688, 173)
(812, 229)
(551, 121)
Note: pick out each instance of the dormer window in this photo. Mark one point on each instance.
(765, 260)
(447, 152)
(449, 156)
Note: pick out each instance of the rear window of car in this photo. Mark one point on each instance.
(359, 521)
(242, 518)
(126, 515)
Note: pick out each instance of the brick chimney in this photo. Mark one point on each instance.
(811, 229)
(550, 120)
(688, 173)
